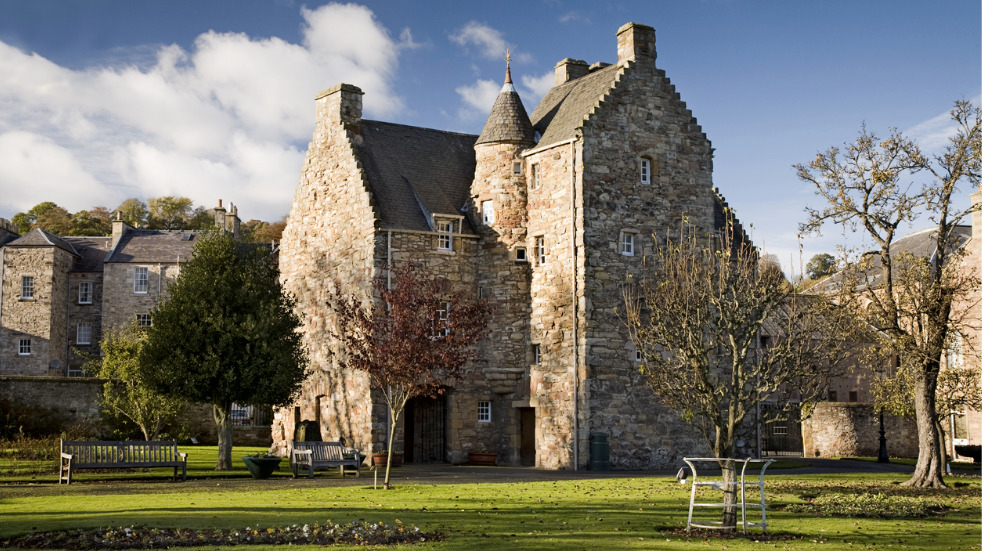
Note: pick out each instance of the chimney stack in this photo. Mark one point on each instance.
(569, 69)
(635, 42)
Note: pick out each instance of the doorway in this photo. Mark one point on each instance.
(527, 429)
(426, 430)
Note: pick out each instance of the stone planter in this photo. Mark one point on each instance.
(487, 459)
(379, 459)
(261, 467)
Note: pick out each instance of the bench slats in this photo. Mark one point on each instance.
(94, 454)
(321, 455)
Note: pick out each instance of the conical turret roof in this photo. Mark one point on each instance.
(508, 122)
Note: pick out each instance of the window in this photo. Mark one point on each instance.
(24, 347)
(487, 210)
(646, 171)
(143, 321)
(540, 250)
(535, 177)
(484, 412)
(141, 280)
(27, 288)
(440, 320)
(85, 292)
(953, 353)
(445, 236)
(521, 255)
(833, 396)
(83, 334)
(627, 243)
(536, 354)
(638, 356)
(853, 396)
(516, 168)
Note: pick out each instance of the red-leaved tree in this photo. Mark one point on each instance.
(412, 340)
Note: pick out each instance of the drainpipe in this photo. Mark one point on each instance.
(576, 348)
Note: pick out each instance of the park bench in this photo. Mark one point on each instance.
(93, 454)
(311, 456)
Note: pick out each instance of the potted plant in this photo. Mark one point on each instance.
(487, 459)
(379, 458)
(261, 465)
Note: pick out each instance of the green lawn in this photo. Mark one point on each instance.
(603, 513)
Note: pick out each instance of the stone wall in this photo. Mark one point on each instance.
(90, 314)
(120, 304)
(72, 401)
(838, 429)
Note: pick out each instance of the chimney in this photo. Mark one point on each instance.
(569, 69)
(635, 42)
(341, 102)
(119, 228)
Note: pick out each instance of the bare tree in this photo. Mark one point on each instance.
(698, 315)
(412, 341)
(870, 186)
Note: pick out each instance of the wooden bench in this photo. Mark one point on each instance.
(311, 456)
(93, 454)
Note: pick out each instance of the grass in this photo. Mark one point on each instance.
(607, 512)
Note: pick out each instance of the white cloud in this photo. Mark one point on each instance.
(490, 42)
(573, 16)
(479, 97)
(225, 119)
(537, 86)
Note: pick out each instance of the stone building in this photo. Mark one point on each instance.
(548, 213)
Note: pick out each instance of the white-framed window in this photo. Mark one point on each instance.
(536, 354)
(27, 288)
(540, 250)
(516, 168)
(444, 230)
(953, 353)
(627, 240)
(535, 177)
(143, 321)
(24, 347)
(484, 412)
(521, 255)
(83, 333)
(85, 292)
(638, 356)
(645, 171)
(487, 211)
(441, 319)
(141, 280)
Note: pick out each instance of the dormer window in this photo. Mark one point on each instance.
(444, 231)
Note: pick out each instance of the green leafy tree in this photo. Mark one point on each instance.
(226, 334)
(125, 394)
(169, 212)
(94, 222)
(258, 231)
(134, 212)
(878, 187)
(27, 221)
(412, 341)
(697, 315)
(820, 265)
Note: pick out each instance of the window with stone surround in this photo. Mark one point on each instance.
(521, 255)
(536, 354)
(27, 288)
(627, 241)
(85, 292)
(487, 211)
(516, 168)
(444, 231)
(440, 320)
(534, 184)
(143, 321)
(484, 412)
(141, 280)
(24, 347)
(540, 250)
(645, 171)
(83, 334)
(638, 356)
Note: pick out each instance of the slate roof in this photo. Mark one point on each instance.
(149, 246)
(415, 171)
(508, 121)
(40, 238)
(565, 107)
(92, 252)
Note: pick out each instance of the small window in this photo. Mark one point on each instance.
(833, 396)
(853, 396)
(638, 356)
(24, 347)
(445, 236)
(627, 243)
(487, 211)
(484, 412)
(646, 171)
(521, 255)
(535, 177)
(143, 321)
(516, 168)
(536, 354)
(141, 280)
(440, 320)
(27, 288)
(83, 334)
(540, 250)
(85, 292)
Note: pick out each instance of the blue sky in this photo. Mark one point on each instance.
(103, 100)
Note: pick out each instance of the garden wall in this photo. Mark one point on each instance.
(847, 429)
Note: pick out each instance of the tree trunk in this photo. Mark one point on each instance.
(929, 471)
(729, 494)
(394, 415)
(223, 424)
